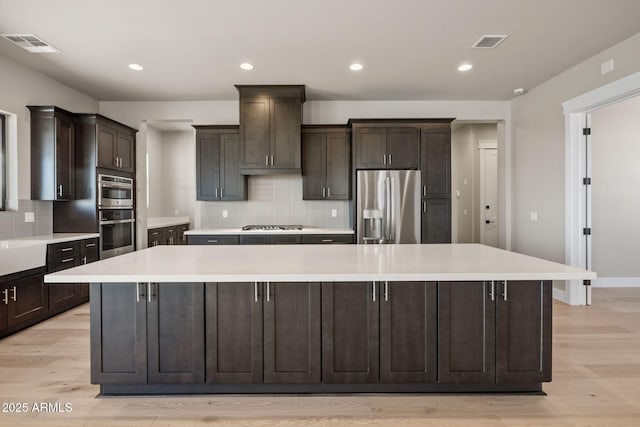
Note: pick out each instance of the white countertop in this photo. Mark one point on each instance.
(239, 230)
(167, 221)
(305, 263)
(48, 239)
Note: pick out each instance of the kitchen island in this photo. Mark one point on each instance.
(318, 318)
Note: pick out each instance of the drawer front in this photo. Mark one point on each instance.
(285, 240)
(214, 240)
(318, 239)
(154, 237)
(89, 251)
(255, 240)
(63, 255)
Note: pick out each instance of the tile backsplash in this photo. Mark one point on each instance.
(12, 223)
(274, 199)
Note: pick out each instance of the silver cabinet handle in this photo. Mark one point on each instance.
(386, 291)
(221, 193)
(84, 260)
(271, 160)
(212, 241)
(328, 191)
(504, 290)
(384, 159)
(216, 192)
(323, 192)
(255, 291)
(67, 260)
(60, 190)
(5, 297)
(89, 245)
(389, 156)
(137, 292)
(268, 291)
(327, 240)
(424, 191)
(148, 291)
(492, 291)
(66, 249)
(424, 206)
(373, 291)
(266, 160)
(15, 294)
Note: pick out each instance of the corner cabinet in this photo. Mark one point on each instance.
(217, 164)
(326, 163)
(270, 121)
(52, 153)
(380, 145)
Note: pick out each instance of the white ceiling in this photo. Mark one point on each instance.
(192, 49)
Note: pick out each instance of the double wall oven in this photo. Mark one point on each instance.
(116, 215)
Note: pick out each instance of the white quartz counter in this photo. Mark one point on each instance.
(167, 221)
(306, 263)
(238, 231)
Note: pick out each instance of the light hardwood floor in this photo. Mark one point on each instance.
(596, 381)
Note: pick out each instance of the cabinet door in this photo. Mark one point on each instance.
(314, 159)
(182, 238)
(125, 151)
(436, 163)
(118, 333)
(89, 251)
(175, 322)
(371, 148)
(259, 239)
(208, 167)
(403, 148)
(408, 332)
(233, 324)
(436, 221)
(350, 332)
(65, 158)
(338, 167)
(286, 118)
(63, 296)
(254, 133)
(292, 333)
(169, 236)
(28, 300)
(524, 332)
(287, 239)
(233, 186)
(154, 237)
(213, 240)
(466, 333)
(4, 307)
(107, 140)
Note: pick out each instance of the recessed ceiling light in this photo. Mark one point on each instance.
(136, 67)
(465, 67)
(519, 91)
(246, 66)
(356, 67)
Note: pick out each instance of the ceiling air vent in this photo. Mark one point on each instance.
(30, 42)
(489, 42)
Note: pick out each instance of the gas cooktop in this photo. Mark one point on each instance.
(272, 227)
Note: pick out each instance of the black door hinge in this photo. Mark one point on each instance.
(586, 131)
(586, 181)
(586, 231)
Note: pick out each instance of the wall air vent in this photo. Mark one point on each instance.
(30, 42)
(489, 42)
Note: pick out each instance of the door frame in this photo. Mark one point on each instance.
(577, 116)
(483, 146)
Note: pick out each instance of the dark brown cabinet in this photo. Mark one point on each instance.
(270, 121)
(436, 220)
(494, 332)
(326, 239)
(115, 145)
(263, 332)
(23, 300)
(182, 238)
(171, 235)
(386, 147)
(202, 239)
(266, 239)
(217, 164)
(150, 333)
(52, 154)
(326, 163)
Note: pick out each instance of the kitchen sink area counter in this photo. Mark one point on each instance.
(240, 231)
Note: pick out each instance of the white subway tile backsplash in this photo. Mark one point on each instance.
(12, 223)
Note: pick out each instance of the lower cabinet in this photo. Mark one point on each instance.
(24, 300)
(263, 333)
(147, 333)
(172, 235)
(494, 332)
(379, 332)
(436, 221)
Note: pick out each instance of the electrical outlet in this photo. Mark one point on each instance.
(606, 67)
(533, 216)
(225, 213)
(334, 213)
(29, 217)
(466, 212)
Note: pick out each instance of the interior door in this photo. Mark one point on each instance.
(489, 196)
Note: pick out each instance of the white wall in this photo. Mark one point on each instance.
(538, 137)
(21, 86)
(179, 174)
(156, 184)
(615, 190)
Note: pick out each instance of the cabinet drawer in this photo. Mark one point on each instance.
(255, 240)
(213, 240)
(285, 240)
(63, 255)
(327, 238)
(89, 251)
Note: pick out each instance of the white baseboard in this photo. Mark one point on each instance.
(616, 282)
(561, 295)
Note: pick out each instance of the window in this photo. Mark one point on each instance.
(3, 163)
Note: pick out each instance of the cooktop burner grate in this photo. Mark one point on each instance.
(272, 227)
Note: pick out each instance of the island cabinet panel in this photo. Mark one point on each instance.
(350, 332)
(233, 324)
(408, 332)
(524, 331)
(175, 321)
(118, 333)
(466, 333)
(292, 333)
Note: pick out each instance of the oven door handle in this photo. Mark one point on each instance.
(116, 185)
(120, 221)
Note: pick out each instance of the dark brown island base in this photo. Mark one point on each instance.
(324, 319)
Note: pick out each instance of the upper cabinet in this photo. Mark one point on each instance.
(326, 162)
(116, 145)
(52, 153)
(217, 174)
(270, 122)
(381, 145)
(435, 147)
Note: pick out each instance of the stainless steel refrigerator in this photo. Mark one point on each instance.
(388, 206)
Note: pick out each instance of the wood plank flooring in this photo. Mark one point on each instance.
(596, 382)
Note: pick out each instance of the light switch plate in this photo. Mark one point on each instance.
(29, 217)
(533, 216)
(334, 213)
